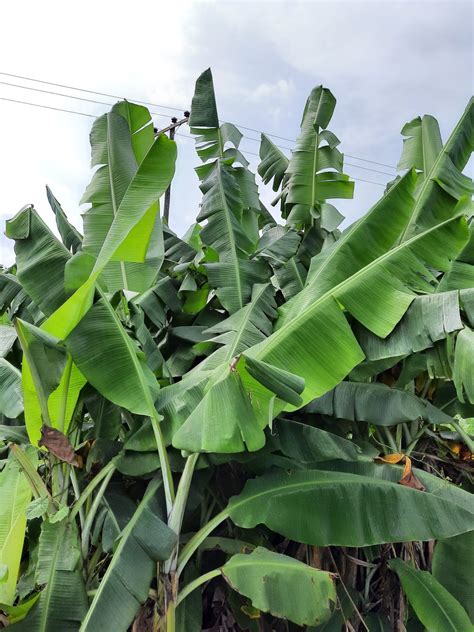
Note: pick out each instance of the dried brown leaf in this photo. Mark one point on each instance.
(58, 444)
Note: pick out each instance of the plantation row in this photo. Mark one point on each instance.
(262, 425)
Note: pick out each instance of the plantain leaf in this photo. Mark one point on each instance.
(71, 237)
(62, 603)
(99, 342)
(453, 561)
(463, 374)
(283, 586)
(436, 608)
(40, 259)
(421, 145)
(15, 495)
(392, 512)
(444, 184)
(11, 396)
(376, 404)
(127, 580)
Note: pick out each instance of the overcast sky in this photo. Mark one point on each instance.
(386, 62)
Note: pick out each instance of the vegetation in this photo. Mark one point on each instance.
(257, 426)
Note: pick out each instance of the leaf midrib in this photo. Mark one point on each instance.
(331, 294)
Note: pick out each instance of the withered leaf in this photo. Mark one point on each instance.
(58, 444)
(408, 478)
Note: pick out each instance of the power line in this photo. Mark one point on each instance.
(167, 107)
(249, 153)
(67, 96)
(47, 107)
(102, 94)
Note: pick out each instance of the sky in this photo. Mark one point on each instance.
(386, 62)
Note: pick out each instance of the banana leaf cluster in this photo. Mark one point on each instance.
(264, 424)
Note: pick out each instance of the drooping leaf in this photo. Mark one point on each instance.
(307, 444)
(453, 561)
(11, 397)
(377, 404)
(282, 585)
(15, 494)
(62, 603)
(127, 580)
(430, 317)
(444, 184)
(40, 259)
(463, 374)
(110, 361)
(392, 513)
(436, 608)
(71, 237)
(7, 339)
(273, 163)
(421, 145)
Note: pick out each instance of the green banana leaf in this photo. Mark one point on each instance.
(62, 603)
(40, 259)
(7, 339)
(315, 169)
(392, 512)
(15, 495)
(317, 344)
(436, 608)
(463, 370)
(453, 561)
(230, 201)
(120, 140)
(125, 585)
(100, 342)
(283, 586)
(70, 236)
(444, 184)
(11, 396)
(376, 404)
(273, 163)
(431, 317)
(421, 145)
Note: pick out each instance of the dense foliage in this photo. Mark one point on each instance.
(260, 425)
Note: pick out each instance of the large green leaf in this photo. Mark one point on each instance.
(453, 561)
(71, 237)
(15, 495)
(421, 145)
(444, 184)
(234, 274)
(62, 604)
(317, 344)
(251, 324)
(100, 342)
(392, 512)
(122, 228)
(307, 444)
(40, 259)
(376, 404)
(282, 585)
(463, 373)
(436, 608)
(273, 164)
(230, 201)
(315, 167)
(11, 397)
(125, 585)
(430, 317)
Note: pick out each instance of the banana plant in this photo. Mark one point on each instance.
(253, 425)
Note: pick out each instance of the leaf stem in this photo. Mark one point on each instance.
(87, 491)
(196, 583)
(92, 512)
(198, 538)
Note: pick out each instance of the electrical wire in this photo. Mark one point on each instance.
(166, 107)
(249, 153)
